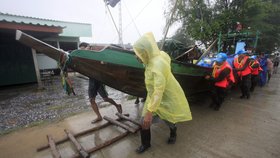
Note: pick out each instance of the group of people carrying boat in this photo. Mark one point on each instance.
(246, 70)
(165, 98)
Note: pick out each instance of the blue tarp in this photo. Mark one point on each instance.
(239, 46)
(208, 62)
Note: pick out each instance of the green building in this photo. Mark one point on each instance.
(20, 64)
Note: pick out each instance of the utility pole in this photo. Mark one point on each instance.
(120, 25)
(119, 30)
(169, 23)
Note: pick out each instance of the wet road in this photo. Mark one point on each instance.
(242, 128)
(25, 105)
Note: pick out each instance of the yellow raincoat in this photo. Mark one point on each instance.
(165, 96)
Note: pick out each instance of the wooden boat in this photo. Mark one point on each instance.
(119, 68)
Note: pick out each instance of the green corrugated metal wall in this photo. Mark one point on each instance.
(16, 62)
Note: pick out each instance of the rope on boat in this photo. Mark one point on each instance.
(64, 61)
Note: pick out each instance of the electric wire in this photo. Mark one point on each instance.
(132, 20)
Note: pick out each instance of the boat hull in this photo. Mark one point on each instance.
(119, 68)
(126, 79)
(129, 77)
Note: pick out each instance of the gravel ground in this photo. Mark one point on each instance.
(24, 105)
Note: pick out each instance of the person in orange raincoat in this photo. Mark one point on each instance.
(255, 69)
(223, 78)
(241, 65)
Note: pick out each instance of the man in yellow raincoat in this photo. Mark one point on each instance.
(165, 97)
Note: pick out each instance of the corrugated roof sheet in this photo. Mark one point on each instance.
(71, 29)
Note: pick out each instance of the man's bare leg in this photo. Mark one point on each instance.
(96, 110)
(118, 106)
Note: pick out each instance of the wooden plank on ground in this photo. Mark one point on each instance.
(107, 143)
(52, 145)
(128, 119)
(78, 146)
(76, 135)
(117, 123)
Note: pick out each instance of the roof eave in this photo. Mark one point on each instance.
(30, 27)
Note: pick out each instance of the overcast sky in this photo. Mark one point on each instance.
(148, 16)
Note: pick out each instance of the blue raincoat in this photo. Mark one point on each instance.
(263, 74)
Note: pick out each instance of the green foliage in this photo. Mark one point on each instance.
(204, 19)
(174, 48)
(183, 36)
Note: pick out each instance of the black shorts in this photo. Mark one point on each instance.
(95, 87)
(275, 64)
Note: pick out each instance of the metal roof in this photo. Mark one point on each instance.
(70, 29)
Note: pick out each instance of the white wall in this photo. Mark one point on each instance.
(46, 62)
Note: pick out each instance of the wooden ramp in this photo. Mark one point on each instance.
(85, 153)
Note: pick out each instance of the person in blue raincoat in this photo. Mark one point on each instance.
(263, 74)
(165, 98)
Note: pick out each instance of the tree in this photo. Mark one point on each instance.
(183, 36)
(204, 19)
